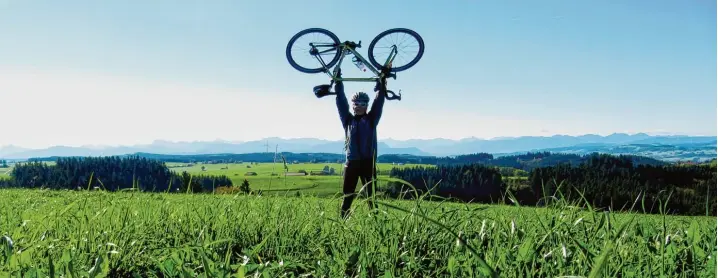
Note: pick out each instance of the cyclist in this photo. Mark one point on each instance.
(360, 141)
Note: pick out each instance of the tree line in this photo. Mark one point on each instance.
(616, 183)
(110, 173)
(604, 181)
(526, 161)
(475, 182)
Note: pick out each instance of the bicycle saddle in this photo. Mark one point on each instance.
(323, 90)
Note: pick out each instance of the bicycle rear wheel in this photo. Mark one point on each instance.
(303, 56)
(399, 38)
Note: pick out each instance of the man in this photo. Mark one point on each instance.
(360, 140)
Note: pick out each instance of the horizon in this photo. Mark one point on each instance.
(381, 140)
(132, 73)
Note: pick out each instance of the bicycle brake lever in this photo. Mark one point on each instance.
(393, 95)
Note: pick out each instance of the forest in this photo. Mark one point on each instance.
(616, 183)
(603, 181)
(469, 182)
(110, 173)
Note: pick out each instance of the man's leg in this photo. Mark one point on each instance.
(368, 178)
(351, 177)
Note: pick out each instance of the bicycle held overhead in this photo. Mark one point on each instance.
(316, 44)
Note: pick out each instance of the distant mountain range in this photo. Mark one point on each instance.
(674, 147)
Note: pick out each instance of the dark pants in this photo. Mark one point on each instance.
(354, 171)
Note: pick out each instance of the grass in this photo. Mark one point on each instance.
(181, 235)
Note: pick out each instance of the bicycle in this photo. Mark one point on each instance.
(386, 70)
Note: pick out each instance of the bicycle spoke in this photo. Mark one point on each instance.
(408, 46)
(404, 40)
(399, 56)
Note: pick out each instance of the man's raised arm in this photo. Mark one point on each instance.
(342, 103)
(377, 106)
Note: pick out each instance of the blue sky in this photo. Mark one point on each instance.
(128, 72)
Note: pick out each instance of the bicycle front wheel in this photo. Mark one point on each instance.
(309, 46)
(406, 46)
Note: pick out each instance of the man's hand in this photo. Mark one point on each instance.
(380, 85)
(339, 74)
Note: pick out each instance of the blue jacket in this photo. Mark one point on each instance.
(360, 140)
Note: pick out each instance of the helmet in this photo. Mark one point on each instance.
(360, 96)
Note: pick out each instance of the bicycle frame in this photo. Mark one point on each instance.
(349, 46)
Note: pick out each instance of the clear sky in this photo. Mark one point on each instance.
(127, 72)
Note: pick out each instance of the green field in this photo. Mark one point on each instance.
(5, 172)
(318, 185)
(312, 184)
(184, 235)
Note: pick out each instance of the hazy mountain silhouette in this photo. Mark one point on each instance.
(433, 147)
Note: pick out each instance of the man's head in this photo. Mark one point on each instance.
(360, 101)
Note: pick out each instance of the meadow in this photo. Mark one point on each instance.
(318, 185)
(136, 234)
(5, 172)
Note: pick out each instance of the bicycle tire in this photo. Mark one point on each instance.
(294, 38)
(392, 31)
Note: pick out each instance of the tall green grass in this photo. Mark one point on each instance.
(96, 234)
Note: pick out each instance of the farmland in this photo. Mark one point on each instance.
(5, 172)
(170, 235)
(319, 185)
